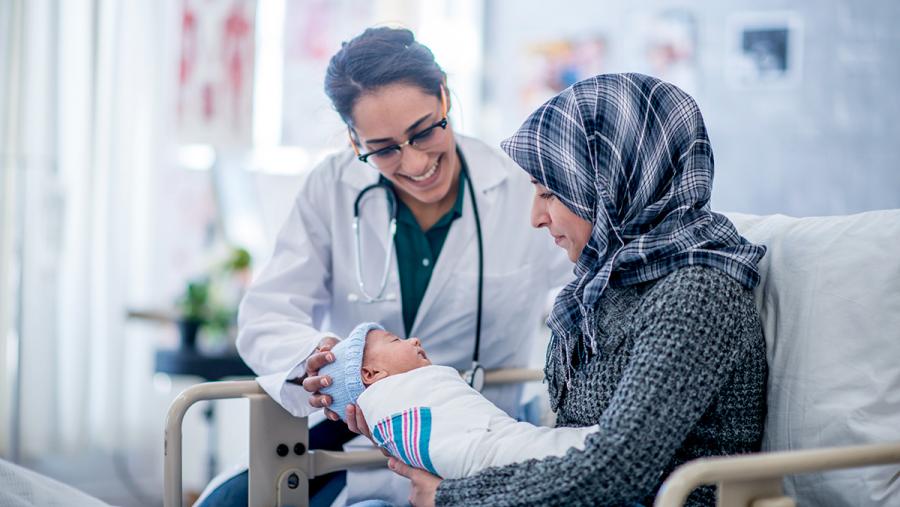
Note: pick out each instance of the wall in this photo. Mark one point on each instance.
(825, 145)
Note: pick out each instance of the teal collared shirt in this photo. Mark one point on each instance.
(418, 251)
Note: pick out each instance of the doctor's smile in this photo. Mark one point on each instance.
(426, 179)
(410, 142)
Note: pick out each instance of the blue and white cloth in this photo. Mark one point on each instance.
(630, 154)
(346, 370)
(430, 418)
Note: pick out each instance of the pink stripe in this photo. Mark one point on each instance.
(412, 438)
(408, 438)
(412, 441)
(415, 436)
(390, 429)
(415, 439)
(405, 436)
(393, 444)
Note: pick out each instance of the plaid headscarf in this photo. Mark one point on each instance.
(628, 153)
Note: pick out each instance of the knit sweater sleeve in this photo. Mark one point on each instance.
(686, 345)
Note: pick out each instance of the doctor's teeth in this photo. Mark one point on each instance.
(427, 174)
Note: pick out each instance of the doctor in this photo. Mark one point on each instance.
(461, 221)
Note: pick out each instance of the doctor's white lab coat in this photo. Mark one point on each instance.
(309, 290)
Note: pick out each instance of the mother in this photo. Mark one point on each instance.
(658, 340)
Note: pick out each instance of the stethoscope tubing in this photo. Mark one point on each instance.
(392, 231)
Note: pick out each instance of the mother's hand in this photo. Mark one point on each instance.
(424, 484)
(356, 422)
(313, 382)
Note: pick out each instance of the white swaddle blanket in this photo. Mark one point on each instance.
(20, 487)
(431, 419)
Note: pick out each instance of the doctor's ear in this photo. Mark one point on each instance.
(372, 374)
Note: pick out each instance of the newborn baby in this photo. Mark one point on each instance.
(427, 415)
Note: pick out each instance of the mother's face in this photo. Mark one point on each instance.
(569, 231)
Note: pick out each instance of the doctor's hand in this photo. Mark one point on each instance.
(313, 382)
(424, 484)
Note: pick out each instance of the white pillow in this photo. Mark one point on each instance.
(830, 305)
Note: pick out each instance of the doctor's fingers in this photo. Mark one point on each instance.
(317, 360)
(320, 401)
(315, 383)
(332, 415)
(327, 343)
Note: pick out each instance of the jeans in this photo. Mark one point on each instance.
(328, 435)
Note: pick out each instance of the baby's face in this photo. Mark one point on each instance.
(387, 354)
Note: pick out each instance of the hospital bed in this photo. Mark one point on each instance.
(281, 462)
(829, 300)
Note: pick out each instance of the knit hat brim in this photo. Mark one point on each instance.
(346, 370)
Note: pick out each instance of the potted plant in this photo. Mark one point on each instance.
(210, 302)
(193, 312)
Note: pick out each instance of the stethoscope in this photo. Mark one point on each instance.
(474, 376)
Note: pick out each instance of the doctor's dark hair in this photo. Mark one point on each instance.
(379, 57)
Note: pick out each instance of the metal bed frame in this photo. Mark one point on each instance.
(281, 463)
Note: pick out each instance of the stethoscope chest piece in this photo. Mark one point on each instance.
(475, 377)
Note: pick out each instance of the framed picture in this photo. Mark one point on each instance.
(663, 44)
(765, 49)
(555, 64)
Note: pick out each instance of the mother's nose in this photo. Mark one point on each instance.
(539, 216)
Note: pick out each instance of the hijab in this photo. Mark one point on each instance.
(630, 154)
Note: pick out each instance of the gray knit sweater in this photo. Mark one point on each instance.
(681, 374)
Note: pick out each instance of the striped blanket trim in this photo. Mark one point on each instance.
(406, 435)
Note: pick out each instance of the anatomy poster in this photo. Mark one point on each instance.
(313, 32)
(215, 72)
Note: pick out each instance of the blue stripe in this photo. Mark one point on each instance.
(379, 438)
(425, 438)
(397, 423)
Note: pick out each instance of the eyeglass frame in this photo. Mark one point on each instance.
(442, 123)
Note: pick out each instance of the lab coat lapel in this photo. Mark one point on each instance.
(461, 242)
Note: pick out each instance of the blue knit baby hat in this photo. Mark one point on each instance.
(345, 371)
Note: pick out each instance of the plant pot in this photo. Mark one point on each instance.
(188, 329)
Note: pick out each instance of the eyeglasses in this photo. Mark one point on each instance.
(424, 140)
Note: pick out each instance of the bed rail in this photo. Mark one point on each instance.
(279, 442)
(755, 480)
